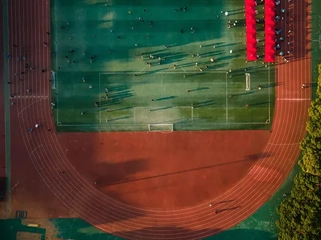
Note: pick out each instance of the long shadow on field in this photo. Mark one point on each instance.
(119, 118)
(161, 108)
(126, 177)
(217, 45)
(199, 89)
(204, 104)
(260, 103)
(241, 94)
(271, 85)
(109, 173)
(115, 95)
(165, 98)
(228, 57)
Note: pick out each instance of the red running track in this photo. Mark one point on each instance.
(87, 202)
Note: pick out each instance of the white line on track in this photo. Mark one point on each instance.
(283, 144)
(30, 105)
(293, 99)
(29, 97)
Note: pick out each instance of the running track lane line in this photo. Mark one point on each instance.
(6, 104)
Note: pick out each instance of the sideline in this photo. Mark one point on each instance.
(6, 104)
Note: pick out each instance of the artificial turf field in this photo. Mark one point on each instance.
(154, 58)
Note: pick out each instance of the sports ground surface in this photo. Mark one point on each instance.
(154, 59)
(142, 185)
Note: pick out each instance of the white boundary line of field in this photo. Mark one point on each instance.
(57, 99)
(128, 124)
(192, 114)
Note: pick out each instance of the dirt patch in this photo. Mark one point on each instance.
(51, 231)
(28, 236)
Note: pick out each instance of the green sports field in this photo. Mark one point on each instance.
(154, 66)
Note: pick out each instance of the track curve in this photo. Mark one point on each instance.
(29, 30)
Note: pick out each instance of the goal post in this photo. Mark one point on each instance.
(161, 127)
(247, 82)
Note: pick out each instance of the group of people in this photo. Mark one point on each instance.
(284, 39)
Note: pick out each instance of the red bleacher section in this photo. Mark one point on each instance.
(269, 8)
(251, 48)
(270, 35)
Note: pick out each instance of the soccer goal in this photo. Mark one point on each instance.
(161, 127)
(247, 82)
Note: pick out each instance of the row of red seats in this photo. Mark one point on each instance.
(250, 20)
(269, 8)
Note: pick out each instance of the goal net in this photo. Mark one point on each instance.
(161, 127)
(247, 82)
